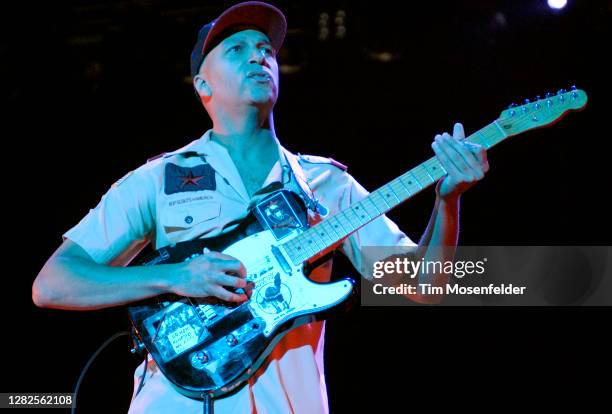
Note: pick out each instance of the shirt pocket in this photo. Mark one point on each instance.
(202, 217)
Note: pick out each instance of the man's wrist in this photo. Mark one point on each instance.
(450, 201)
(163, 277)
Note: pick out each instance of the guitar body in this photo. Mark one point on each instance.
(205, 345)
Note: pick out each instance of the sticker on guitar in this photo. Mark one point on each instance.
(274, 297)
(278, 215)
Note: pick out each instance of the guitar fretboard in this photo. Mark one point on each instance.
(328, 232)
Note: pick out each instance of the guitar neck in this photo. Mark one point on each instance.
(328, 232)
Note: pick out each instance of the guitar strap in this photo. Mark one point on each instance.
(303, 188)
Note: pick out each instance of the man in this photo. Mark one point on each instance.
(205, 188)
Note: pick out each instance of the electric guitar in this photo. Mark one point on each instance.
(207, 347)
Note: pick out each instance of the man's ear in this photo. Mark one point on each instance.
(202, 87)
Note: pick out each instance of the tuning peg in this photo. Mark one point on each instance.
(574, 93)
(524, 107)
(561, 91)
(511, 108)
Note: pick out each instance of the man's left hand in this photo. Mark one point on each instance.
(465, 162)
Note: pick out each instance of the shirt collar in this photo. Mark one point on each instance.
(197, 146)
(218, 157)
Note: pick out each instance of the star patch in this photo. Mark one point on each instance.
(181, 179)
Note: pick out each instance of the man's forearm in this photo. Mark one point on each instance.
(440, 238)
(78, 284)
(465, 163)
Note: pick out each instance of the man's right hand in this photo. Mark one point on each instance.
(71, 279)
(208, 275)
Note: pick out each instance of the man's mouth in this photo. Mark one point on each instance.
(259, 76)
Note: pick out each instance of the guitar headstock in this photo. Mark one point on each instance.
(542, 111)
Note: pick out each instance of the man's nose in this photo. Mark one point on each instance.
(258, 56)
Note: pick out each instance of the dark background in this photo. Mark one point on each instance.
(92, 89)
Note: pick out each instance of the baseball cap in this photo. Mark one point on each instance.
(242, 16)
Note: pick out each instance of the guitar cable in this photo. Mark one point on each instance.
(144, 373)
(88, 364)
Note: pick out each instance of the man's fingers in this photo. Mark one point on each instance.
(223, 279)
(444, 141)
(477, 151)
(444, 159)
(227, 296)
(480, 153)
(226, 263)
(464, 162)
(463, 151)
(218, 255)
(233, 266)
(458, 132)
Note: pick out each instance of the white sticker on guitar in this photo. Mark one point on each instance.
(183, 338)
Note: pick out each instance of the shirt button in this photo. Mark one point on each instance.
(188, 219)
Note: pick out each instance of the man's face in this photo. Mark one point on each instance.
(242, 69)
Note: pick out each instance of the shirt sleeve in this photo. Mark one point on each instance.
(121, 222)
(381, 232)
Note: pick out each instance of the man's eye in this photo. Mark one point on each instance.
(268, 51)
(236, 48)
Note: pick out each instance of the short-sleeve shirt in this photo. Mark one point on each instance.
(197, 191)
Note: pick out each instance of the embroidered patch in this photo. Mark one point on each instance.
(181, 179)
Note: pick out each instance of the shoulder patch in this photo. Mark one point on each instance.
(156, 157)
(315, 159)
(182, 179)
(122, 179)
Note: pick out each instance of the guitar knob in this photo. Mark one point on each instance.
(526, 101)
(231, 340)
(512, 105)
(202, 357)
(573, 88)
(548, 95)
(199, 360)
(561, 91)
(537, 98)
